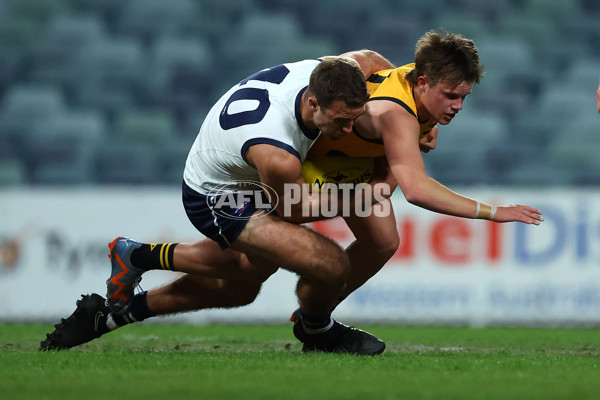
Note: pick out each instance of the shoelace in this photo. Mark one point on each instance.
(136, 284)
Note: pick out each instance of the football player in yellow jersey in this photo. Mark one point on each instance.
(399, 122)
(446, 67)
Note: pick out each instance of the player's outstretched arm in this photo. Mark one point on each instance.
(400, 133)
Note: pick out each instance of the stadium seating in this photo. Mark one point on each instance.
(24, 109)
(261, 40)
(463, 145)
(60, 160)
(563, 103)
(583, 76)
(77, 74)
(469, 25)
(171, 54)
(12, 170)
(55, 60)
(554, 10)
(38, 12)
(171, 161)
(486, 10)
(180, 73)
(153, 128)
(525, 27)
(501, 57)
(392, 36)
(542, 174)
(61, 151)
(89, 125)
(126, 162)
(110, 72)
(147, 18)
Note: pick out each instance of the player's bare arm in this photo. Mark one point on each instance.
(400, 133)
(278, 169)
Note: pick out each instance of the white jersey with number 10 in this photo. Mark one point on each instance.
(262, 109)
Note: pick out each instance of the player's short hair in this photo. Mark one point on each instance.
(446, 57)
(338, 78)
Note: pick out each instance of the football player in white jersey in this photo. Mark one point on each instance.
(258, 133)
(262, 109)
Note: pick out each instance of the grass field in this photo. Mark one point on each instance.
(264, 362)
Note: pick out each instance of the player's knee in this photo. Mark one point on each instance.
(335, 269)
(388, 247)
(380, 248)
(264, 273)
(244, 295)
(338, 278)
(245, 292)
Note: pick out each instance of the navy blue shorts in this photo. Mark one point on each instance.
(213, 217)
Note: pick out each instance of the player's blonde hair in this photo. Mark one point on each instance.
(446, 57)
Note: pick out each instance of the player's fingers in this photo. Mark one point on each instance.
(529, 209)
(527, 214)
(533, 217)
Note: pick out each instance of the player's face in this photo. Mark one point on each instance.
(336, 120)
(443, 101)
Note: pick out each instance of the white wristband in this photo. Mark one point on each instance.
(485, 211)
(493, 212)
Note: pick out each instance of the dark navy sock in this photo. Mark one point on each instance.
(314, 324)
(139, 307)
(139, 311)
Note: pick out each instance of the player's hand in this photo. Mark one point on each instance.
(429, 141)
(518, 213)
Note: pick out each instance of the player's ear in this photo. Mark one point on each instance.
(422, 81)
(313, 103)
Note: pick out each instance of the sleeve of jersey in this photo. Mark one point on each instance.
(270, 141)
(396, 89)
(274, 134)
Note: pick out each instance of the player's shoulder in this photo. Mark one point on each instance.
(392, 85)
(289, 78)
(399, 73)
(303, 66)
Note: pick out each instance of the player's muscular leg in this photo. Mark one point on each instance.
(189, 293)
(376, 242)
(213, 278)
(321, 264)
(231, 277)
(205, 258)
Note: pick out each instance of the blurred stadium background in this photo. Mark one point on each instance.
(113, 92)
(100, 101)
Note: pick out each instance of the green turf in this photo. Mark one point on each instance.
(264, 362)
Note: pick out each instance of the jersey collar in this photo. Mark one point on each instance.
(311, 134)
